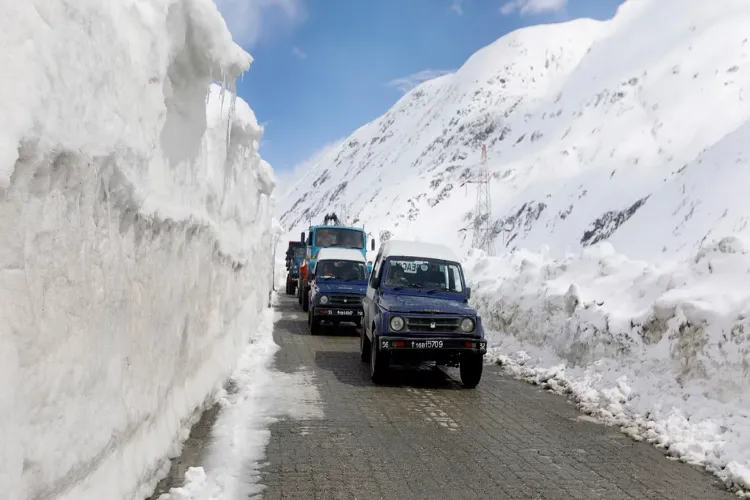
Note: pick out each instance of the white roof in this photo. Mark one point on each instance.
(419, 249)
(332, 253)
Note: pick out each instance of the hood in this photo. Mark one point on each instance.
(343, 287)
(424, 304)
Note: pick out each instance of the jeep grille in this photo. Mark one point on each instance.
(423, 324)
(348, 300)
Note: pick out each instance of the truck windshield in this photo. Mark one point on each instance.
(348, 270)
(299, 253)
(337, 237)
(425, 274)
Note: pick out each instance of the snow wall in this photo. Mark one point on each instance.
(135, 238)
(660, 350)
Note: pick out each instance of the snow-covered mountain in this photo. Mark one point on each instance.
(632, 130)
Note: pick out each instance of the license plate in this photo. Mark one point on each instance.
(427, 344)
(348, 313)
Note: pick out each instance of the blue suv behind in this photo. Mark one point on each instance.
(416, 309)
(338, 284)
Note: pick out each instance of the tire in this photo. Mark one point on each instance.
(378, 362)
(299, 295)
(288, 286)
(313, 324)
(364, 346)
(470, 367)
(305, 299)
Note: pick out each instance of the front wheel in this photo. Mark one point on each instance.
(364, 346)
(313, 324)
(305, 299)
(378, 361)
(470, 367)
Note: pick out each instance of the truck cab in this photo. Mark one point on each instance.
(323, 236)
(338, 285)
(295, 256)
(416, 309)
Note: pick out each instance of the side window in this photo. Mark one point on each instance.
(375, 275)
(455, 279)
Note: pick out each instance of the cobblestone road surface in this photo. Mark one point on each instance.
(422, 436)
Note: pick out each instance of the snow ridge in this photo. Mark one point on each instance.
(132, 203)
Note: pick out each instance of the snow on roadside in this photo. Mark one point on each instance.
(259, 396)
(660, 350)
(135, 229)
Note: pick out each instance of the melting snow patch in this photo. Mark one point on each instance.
(241, 432)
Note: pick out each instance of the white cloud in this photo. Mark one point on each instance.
(406, 83)
(524, 7)
(299, 53)
(251, 20)
(457, 8)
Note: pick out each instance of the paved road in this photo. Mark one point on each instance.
(422, 436)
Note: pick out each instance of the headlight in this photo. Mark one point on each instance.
(397, 323)
(467, 325)
(324, 299)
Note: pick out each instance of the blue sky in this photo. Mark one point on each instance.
(323, 68)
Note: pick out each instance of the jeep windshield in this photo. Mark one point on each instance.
(346, 270)
(428, 275)
(338, 237)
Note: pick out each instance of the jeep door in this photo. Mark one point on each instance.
(370, 300)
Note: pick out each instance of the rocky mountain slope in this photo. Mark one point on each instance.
(630, 130)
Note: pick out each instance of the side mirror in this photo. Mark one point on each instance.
(372, 244)
(302, 237)
(468, 292)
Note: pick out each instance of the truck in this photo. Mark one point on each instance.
(416, 310)
(295, 256)
(338, 284)
(330, 234)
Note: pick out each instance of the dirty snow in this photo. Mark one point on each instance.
(135, 238)
(659, 350)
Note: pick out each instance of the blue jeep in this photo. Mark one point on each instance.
(295, 256)
(338, 284)
(416, 309)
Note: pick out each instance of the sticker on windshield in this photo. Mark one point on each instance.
(410, 266)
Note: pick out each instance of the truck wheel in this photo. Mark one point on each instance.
(313, 323)
(288, 286)
(299, 295)
(470, 367)
(378, 361)
(305, 300)
(364, 346)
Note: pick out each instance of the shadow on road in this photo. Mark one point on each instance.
(349, 369)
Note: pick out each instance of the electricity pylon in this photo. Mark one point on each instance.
(484, 237)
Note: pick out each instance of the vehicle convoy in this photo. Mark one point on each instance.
(330, 234)
(338, 284)
(416, 309)
(295, 256)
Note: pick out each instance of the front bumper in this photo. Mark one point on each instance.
(443, 344)
(338, 312)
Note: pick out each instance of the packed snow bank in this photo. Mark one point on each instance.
(660, 350)
(259, 394)
(135, 239)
